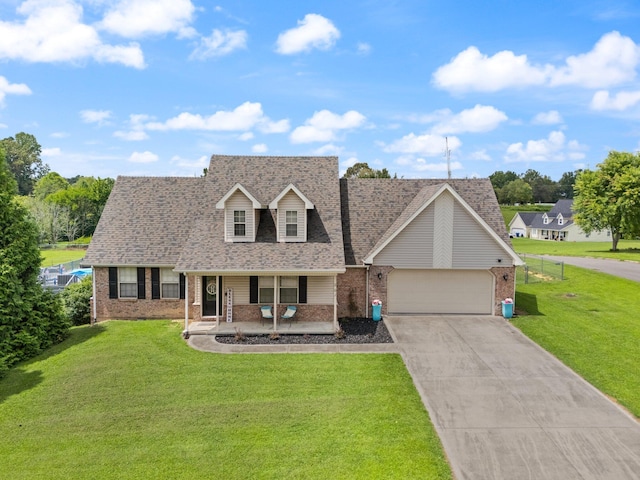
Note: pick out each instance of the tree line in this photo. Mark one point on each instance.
(63, 208)
(532, 186)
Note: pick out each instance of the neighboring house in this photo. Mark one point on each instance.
(286, 231)
(557, 224)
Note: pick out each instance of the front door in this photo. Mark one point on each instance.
(209, 296)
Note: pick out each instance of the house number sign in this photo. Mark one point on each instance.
(211, 287)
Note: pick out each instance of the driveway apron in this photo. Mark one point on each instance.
(506, 409)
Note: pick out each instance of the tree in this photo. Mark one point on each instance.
(609, 198)
(22, 153)
(544, 189)
(516, 191)
(499, 179)
(52, 182)
(76, 301)
(566, 183)
(31, 318)
(363, 170)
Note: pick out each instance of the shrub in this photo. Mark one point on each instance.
(75, 300)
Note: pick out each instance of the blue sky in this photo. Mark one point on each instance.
(155, 87)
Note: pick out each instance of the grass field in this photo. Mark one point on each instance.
(56, 256)
(130, 400)
(627, 249)
(590, 322)
(509, 211)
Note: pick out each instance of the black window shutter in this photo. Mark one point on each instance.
(141, 293)
(155, 283)
(220, 296)
(253, 289)
(182, 287)
(113, 282)
(302, 289)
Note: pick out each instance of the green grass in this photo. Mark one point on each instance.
(627, 249)
(56, 256)
(590, 322)
(130, 400)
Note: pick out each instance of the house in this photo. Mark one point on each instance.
(285, 231)
(557, 224)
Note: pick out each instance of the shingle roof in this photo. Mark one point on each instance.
(527, 217)
(265, 178)
(145, 222)
(371, 206)
(538, 222)
(562, 206)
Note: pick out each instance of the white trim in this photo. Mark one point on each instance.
(515, 258)
(255, 203)
(307, 203)
(284, 273)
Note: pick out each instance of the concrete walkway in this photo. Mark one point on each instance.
(506, 409)
(503, 407)
(624, 269)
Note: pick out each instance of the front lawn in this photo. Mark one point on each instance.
(590, 322)
(627, 249)
(130, 400)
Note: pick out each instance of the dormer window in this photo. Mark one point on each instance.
(545, 219)
(239, 223)
(291, 223)
(560, 219)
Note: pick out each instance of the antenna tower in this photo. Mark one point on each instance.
(447, 153)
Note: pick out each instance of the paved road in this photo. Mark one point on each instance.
(630, 270)
(506, 409)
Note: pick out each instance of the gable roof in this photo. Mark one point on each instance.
(145, 222)
(371, 206)
(564, 207)
(291, 188)
(526, 217)
(234, 189)
(266, 177)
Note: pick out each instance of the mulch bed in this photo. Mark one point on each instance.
(356, 330)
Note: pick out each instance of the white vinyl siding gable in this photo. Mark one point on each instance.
(292, 203)
(413, 246)
(473, 247)
(319, 290)
(236, 203)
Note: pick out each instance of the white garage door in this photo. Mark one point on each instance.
(440, 291)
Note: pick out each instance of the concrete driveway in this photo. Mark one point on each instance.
(506, 409)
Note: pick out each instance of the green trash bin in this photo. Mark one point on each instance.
(507, 310)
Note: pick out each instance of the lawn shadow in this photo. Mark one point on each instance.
(528, 303)
(18, 379)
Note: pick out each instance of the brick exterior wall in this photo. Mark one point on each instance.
(504, 288)
(378, 286)
(251, 313)
(352, 296)
(130, 309)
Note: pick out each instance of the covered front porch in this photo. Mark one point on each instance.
(258, 328)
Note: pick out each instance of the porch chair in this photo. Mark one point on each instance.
(266, 313)
(290, 313)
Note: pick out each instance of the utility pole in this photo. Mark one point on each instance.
(447, 153)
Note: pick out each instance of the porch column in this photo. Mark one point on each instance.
(275, 303)
(186, 303)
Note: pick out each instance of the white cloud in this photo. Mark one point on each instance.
(220, 43)
(95, 116)
(242, 118)
(620, 101)
(131, 135)
(4, 125)
(480, 118)
(328, 149)
(281, 126)
(363, 48)
(59, 135)
(314, 31)
(324, 125)
(259, 148)
(7, 88)
(138, 18)
(471, 70)
(554, 148)
(246, 136)
(53, 32)
(613, 60)
(422, 165)
(480, 155)
(51, 152)
(428, 144)
(143, 157)
(198, 164)
(552, 117)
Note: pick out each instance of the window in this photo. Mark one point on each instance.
(288, 289)
(291, 218)
(239, 223)
(265, 289)
(128, 281)
(169, 283)
(560, 220)
(545, 219)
